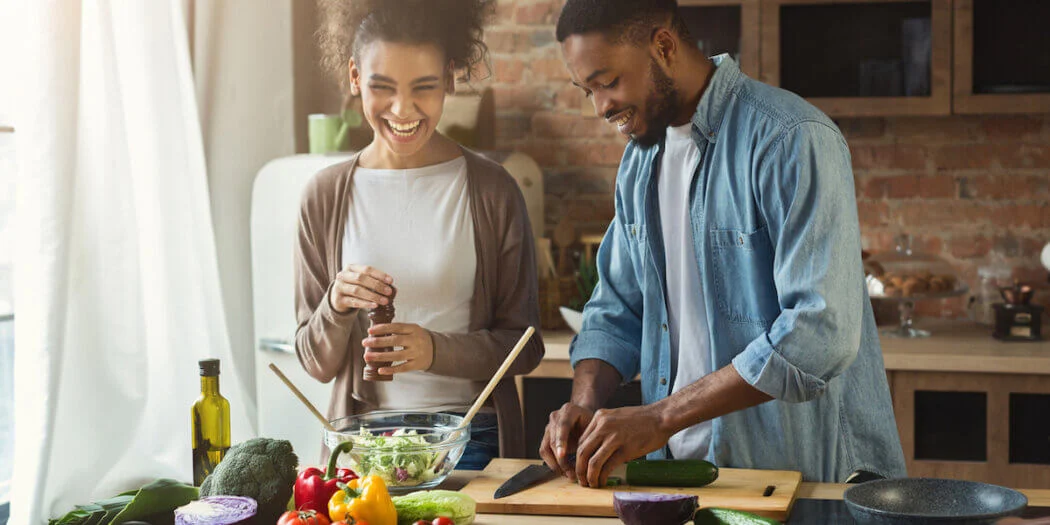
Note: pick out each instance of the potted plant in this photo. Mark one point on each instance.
(586, 280)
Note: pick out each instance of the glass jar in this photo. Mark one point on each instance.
(990, 278)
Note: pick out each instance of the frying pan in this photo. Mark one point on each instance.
(922, 501)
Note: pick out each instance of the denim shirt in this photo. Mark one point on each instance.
(777, 241)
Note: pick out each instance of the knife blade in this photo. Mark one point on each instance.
(526, 478)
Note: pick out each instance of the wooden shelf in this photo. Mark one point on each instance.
(965, 100)
(937, 103)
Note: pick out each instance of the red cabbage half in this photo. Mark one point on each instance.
(216, 510)
(647, 508)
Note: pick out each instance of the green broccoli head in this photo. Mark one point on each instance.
(263, 469)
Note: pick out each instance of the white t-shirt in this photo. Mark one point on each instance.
(416, 226)
(687, 317)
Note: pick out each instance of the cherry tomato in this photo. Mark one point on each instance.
(421, 522)
(302, 517)
(443, 521)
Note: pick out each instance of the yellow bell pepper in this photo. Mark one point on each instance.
(363, 500)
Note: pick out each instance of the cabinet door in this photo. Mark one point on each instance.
(861, 57)
(1001, 59)
(980, 427)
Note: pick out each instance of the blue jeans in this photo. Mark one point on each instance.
(483, 444)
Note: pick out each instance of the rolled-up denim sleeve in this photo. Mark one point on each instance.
(806, 195)
(612, 319)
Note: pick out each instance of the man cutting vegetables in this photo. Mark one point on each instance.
(730, 277)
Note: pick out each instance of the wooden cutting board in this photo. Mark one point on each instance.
(740, 489)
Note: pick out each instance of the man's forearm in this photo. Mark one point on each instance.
(594, 381)
(714, 395)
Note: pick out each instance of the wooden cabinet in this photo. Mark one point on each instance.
(966, 405)
(726, 26)
(860, 57)
(986, 427)
(856, 58)
(1001, 62)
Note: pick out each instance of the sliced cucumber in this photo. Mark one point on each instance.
(670, 473)
(717, 516)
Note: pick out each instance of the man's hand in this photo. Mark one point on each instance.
(616, 436)
(561, 436)
(417, 347)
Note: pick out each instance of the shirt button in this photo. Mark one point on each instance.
(664, 326)
(663, 380)
(741, 240)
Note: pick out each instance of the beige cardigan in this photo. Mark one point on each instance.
(504, 304)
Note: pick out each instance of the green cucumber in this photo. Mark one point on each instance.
(717, 516)
(670, 473)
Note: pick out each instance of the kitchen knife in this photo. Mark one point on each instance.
(526, 478)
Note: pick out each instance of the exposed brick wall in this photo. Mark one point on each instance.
(969, 189)
(965, 187)
(538, 113)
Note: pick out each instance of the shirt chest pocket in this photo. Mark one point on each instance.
(743, 276)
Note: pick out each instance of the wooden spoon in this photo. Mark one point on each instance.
(302, 398)
(564, 237)
(484, 396)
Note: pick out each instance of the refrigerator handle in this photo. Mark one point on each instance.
(280, 346)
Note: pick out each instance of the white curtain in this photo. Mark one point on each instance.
(117, 291)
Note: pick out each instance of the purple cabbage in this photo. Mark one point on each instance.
(647, 508)
(216, 510)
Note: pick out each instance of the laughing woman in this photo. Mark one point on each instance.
(417, 212)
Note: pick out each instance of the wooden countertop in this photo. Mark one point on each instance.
(955, 346)
(459, 478)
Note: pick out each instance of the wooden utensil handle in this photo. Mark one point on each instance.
(499, 375)
(317, 414)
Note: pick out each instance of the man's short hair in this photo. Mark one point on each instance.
(620, 20)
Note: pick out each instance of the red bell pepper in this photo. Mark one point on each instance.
(313, 488)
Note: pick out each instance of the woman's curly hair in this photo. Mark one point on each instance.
(454, 26)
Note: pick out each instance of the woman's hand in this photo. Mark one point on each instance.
(417, 347)
(360, 286)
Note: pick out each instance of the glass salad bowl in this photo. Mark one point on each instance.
(409, 450)
(905, 276)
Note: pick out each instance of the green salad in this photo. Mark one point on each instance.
(403, 458)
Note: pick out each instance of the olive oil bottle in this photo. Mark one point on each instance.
(210, 418)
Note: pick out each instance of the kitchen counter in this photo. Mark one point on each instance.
(955, 346)
(807, 507)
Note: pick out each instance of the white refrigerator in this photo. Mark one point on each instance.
(274, 224)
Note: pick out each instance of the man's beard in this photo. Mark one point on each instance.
(661, 107)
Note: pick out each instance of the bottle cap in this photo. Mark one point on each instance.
(209, 367)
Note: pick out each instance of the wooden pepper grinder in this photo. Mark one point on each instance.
(383, 314)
